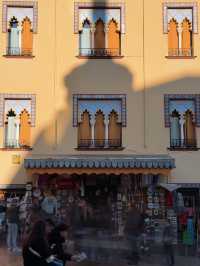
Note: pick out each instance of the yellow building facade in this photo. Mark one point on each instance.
(143, 74)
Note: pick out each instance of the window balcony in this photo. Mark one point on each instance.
(110, 144)
(99, 52)
(18, 52)
(183, 144)
(15, 145)
(180, 53)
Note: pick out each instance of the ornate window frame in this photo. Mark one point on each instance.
(192, 5)
(5, 96)
(78, 5)
(77, 97)
(7, 4)
(171, 97)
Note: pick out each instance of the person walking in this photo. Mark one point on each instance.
(133, 228)
(168, 244)
(12, 217)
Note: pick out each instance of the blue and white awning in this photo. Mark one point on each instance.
(103, 161)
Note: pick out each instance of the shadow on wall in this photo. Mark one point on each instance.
(105, 76)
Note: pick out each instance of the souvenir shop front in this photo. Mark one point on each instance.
(94, 193)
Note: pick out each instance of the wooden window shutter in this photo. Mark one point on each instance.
(189, 128)
(114, 130)
(173, 38)
(25, 129)
(113, 38)
(84, 130)
(99, 35)
(99, 129)
(186, 37)
(27, 37)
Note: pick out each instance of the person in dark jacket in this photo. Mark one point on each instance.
(36, 251)
(133, 228)
(57, 238)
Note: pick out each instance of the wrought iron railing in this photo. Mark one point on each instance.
(180, 52)
(15, 144)
(16, 51)
(183, 143)
(99, 143)
(99, 52)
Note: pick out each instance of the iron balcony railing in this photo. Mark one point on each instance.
(99, 143)
(16, 51)
(183, 143)
(99, 52)
(180, 52)
(14, 144)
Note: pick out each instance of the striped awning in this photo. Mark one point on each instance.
(102, 162)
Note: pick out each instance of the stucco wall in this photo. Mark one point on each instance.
(55, 74)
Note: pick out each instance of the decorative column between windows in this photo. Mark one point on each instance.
(180, 39)
(17, 124)
(20, 39)
(92, 123)
(92, 38)
(106, 132)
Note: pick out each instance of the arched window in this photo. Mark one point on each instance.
(12, 130)
(13, 37)
(114, 130)
(84, 130)
(85, 39)
(173, 44)
(99, 129)
(27, 37)
(99, 38)
(113, 38)
(175, 129)
(25, 129)
(189, 129)
(186, 38)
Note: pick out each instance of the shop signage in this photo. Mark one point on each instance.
(16, 159)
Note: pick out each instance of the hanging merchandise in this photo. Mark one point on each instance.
(172, 217)
(188, 234)
(169, 200)
(82, 189)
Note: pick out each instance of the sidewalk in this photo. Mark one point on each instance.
(9, 259)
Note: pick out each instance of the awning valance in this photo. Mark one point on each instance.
(98, 163)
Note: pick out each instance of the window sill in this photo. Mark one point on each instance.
(180, 57)
(20, 56)
(100, 149)
(16, 149)
(183, 149)
(99, 57)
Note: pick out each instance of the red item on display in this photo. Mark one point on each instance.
(65, 184)
(169, 200)
(183, 218)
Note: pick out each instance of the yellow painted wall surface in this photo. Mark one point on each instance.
(55, 74)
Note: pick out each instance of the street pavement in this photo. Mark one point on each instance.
(10, 259)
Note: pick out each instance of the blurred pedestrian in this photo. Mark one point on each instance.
(133, 228)
(36, 251)
(168, 237)
(12, 217)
